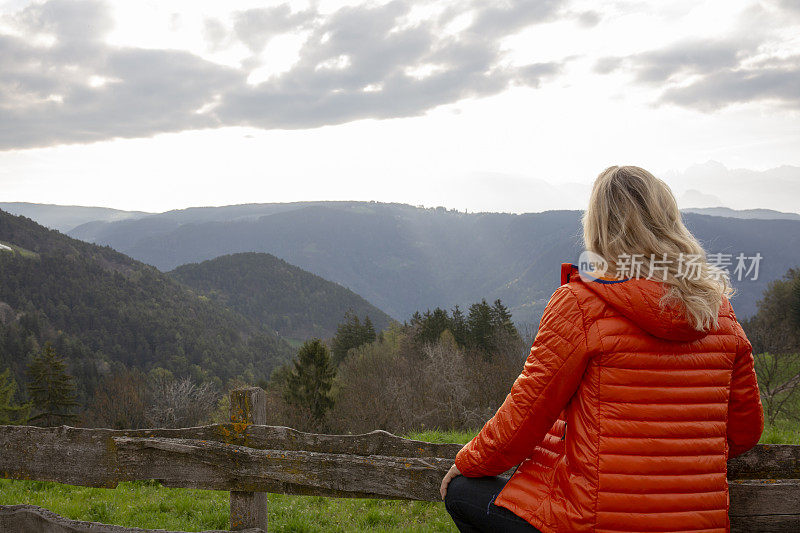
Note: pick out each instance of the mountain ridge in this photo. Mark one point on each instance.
(67, 217)
(403, 258)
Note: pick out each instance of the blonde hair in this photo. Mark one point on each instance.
(633, 212)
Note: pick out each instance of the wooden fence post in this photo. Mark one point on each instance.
(248, 509)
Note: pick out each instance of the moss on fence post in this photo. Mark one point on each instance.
(248, 509)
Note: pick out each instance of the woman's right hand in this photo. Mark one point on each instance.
(453, 472)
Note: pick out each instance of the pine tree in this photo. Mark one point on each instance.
(458, 326)
(51, 389)
(501, 318)
(368, 331)
(480, 325)
(309, 383)
(11, 412)
(432, 325)
(347, 336)
(351, 334)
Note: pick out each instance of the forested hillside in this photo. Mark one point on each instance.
(403, 258)
(102, 309)
(281, 296)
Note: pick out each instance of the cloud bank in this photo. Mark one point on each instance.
(62, 83)
(750, 65)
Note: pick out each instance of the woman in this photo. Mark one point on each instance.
(638, 388)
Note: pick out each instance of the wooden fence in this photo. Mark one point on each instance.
(250, 459)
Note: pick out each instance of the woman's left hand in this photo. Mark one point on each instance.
(453, 472)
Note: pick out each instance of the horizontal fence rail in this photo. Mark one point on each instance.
(269, 459)
(251, 457)
(273, 459)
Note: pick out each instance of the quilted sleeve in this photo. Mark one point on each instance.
(550, 377)
(745, 414)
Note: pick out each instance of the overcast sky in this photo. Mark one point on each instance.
(470, 104)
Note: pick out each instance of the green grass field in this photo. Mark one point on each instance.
(782, 432)
(149, 505)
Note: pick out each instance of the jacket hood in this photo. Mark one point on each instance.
(637, 300)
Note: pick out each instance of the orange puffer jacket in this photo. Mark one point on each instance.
(623, 417)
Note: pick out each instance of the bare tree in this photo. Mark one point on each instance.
(445, 399)
(375, 389)
(528, 331)
(120, 402)
(779, 384)
(400, 386)
(180, 402)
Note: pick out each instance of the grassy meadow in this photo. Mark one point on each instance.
(150, 505)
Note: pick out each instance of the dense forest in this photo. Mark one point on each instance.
(281, 296)
(103, 311)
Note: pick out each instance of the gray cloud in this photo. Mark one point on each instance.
(80, 90)
(358, 62)
(590, 18)
(605, 65)
(69, 22)
(686, 57)
(790, 5)
(255, 27)
(161, 91)
(215, 34)
(777, 80)
(378, 81)
(502, 18)
(709, 75)
(533, 74)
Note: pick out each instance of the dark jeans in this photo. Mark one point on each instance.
(470, 502)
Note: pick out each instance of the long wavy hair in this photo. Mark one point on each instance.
(633, 212)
